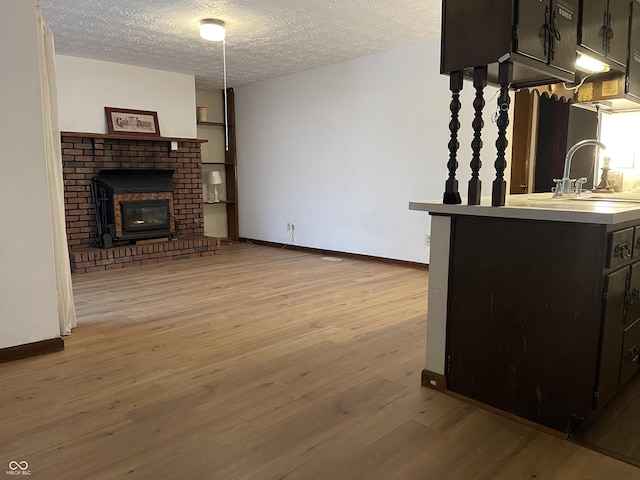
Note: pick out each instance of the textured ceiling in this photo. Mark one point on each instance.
(265, 38)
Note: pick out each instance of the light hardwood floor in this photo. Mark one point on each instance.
(260, 364)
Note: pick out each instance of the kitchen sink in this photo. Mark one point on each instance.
(608, 197)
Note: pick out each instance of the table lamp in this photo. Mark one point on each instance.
(214, 179)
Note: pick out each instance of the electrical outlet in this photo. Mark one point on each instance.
(428, 240)
(288, 226)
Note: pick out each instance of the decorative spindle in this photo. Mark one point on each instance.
(451, 194)
(499, 190)
(475, 184)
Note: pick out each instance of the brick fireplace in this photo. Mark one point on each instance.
(85, 155)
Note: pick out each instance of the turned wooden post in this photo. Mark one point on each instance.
(475, 184)
(451, 194)
(499, 190)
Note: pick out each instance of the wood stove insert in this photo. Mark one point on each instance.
(133, 204)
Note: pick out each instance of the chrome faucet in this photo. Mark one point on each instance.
(567, 186)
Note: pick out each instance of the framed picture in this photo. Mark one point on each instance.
(122, 121)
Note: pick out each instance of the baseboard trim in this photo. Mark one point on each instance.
(438, 382)
(434, 380)
(355, 256)
(18, 352)
(510, 416)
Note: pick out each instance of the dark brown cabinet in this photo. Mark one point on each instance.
(538, 37)
(620, 344)
(604, 28)
(543, 317)
(617, 90)
(524, 316)
(633, 65)
(546, 30)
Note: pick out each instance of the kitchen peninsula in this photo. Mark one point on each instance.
(534, 307)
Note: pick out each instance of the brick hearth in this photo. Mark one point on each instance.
(84, 260)
(85, 154)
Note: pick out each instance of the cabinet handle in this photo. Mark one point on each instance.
(633, 355)
(555, 35)
(630, 295)
(604, 31)
(554, 27)
(546, 31)
(623, 250)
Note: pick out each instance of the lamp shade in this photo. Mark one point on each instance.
(214, 178)
(212, 30)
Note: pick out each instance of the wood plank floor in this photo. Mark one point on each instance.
(616, 428)
(259, 364)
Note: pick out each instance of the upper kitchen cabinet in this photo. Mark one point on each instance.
(633, 68)
(604, 28)
(617, 91)
(538, 37)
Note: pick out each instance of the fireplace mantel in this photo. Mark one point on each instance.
(132, 137)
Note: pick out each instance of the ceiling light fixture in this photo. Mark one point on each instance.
(590, 64)
(212, 30)
(215, 31)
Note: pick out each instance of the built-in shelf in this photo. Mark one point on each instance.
(216, 157)
(211, 124)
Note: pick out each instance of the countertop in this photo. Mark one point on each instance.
(604, 209)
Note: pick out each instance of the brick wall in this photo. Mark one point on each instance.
(84, 155)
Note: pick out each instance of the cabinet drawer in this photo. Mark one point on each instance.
(620, 247)
(636, 242)
(630, 361)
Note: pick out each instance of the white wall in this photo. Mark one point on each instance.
(618, 133)
(341, 150)
(86, 86)
(28, 301)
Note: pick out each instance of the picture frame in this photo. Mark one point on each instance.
(124, 121)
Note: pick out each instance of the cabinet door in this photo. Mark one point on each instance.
(532, 39)
(612, 334)
(592, 27)
(633, 296)
(633, 68)
(564, 19)
(630, 357)
(619, 34)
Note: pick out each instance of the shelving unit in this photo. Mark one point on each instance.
(220, 218)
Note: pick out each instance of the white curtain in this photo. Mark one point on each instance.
(46, 53)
